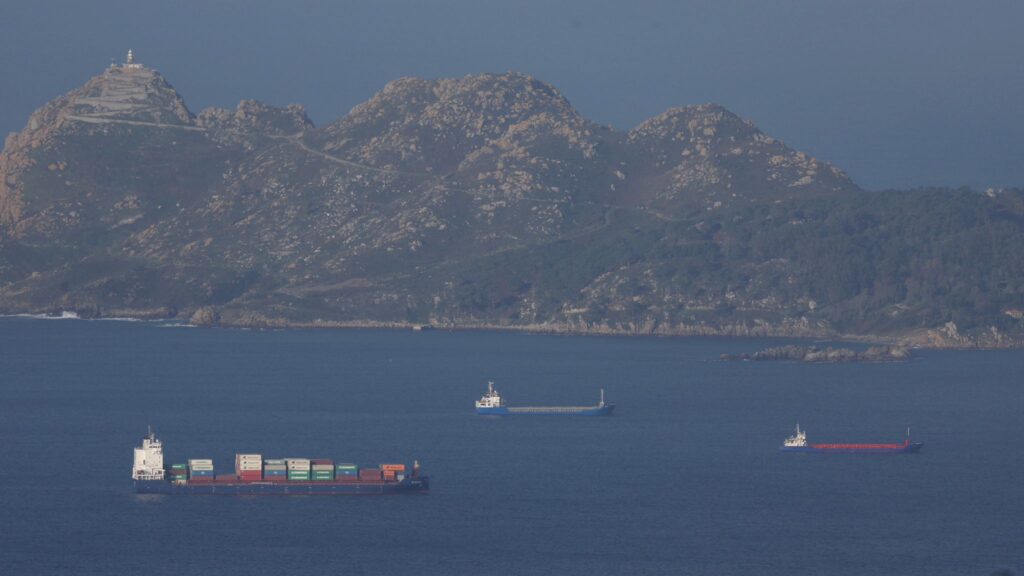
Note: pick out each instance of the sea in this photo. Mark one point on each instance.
(684, 478)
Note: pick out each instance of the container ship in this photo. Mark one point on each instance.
(798, 443)
(254, 475)
(492, 403)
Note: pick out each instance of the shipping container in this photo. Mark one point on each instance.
(393, 467)
(369, 474)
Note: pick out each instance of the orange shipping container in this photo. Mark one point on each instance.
(393, 467)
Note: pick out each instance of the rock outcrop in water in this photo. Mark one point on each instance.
(814, 354)
(483, 201)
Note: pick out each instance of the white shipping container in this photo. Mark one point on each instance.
(200, 461)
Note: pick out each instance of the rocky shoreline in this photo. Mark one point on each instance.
(813, 354)
(885, 348)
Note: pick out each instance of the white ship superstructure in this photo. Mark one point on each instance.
(149, 459)
(491, 399)
(797, 440)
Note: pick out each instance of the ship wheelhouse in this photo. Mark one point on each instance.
(491, 399)
(797, 440)
(149, 459)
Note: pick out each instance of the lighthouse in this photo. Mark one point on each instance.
(130, 63)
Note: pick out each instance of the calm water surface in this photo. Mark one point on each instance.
(685, 478)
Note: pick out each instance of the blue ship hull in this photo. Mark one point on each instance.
(417, 485)
(548, 411)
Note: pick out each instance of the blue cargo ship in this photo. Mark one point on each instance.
(254, 477)
(493, 404)
(798, 443)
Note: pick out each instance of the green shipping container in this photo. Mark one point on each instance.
(179, 466)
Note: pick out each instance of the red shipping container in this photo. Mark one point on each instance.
(393, 467)
(321, 461)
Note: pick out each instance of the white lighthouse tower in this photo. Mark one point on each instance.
(130, 63)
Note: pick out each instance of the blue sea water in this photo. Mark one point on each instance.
(685, 478)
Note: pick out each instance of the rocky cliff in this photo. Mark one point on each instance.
(482, 201)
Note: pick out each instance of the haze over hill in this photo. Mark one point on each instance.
(483, 201)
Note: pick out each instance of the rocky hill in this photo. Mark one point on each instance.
(483, 201)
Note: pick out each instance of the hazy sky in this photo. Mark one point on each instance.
(897, 93)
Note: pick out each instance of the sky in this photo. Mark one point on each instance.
(899, 94)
